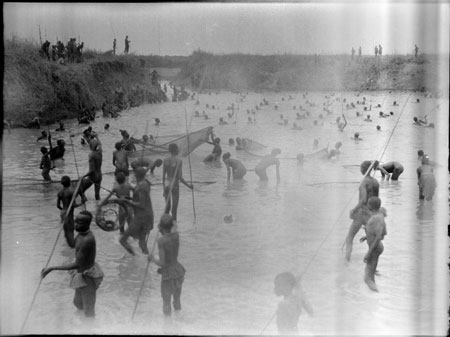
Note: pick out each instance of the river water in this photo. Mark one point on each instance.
(298, 225)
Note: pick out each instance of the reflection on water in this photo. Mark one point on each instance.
(424, 211)
(297, 225)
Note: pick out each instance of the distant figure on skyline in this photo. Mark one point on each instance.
(380, 50)
(127, 45)
(376, 51)
(359, 51)
(416, 50)
(114, 47)
(45, 48)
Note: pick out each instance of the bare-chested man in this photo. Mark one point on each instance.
(88, 275)
(375, 232)
(142, 222)
(360, 213)
(234, 166)
(172, 175)
(63, 202)
(94, 175)
(120, 160)
(267, 161)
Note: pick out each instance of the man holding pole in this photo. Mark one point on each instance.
(142, 222)
(173, 171)
(360, 214)
(86, 274)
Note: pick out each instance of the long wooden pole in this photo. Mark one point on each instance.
(40, 37)
(190, 168)
(51, 254)
(154, 245)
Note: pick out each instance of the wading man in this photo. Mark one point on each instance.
(360, 214)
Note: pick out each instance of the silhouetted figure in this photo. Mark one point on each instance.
(45, 47)
(359, 51)
(376, 51)
(79, 52)
(114, 47)
(54, 52)
(416, 50)
(380, 50)
(127, 45)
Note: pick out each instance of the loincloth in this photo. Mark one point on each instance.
(77, 279)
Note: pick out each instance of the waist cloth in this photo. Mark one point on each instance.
(77, 279)
(172, 272)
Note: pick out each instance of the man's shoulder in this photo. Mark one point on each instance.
(376, 218)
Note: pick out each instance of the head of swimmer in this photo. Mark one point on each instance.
(284, 284)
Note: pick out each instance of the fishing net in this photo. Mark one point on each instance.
(252, 145)
(108, 216)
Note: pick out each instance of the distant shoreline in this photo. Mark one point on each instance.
(37, 87)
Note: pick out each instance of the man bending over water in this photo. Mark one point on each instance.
(235, 166)
(360, 214)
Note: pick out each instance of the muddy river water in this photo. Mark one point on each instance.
(297, 225)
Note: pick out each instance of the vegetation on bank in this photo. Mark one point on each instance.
(36, 87)
(310, 72)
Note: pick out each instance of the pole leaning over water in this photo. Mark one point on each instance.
(190, 168)
(153, 246)
(49, 258)
(342, 212)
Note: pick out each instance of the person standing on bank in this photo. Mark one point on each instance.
(127, 45)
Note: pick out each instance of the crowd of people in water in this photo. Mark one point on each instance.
(136, 214)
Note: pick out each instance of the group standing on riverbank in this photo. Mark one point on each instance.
(71, 52)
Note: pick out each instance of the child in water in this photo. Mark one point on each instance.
(290, 308)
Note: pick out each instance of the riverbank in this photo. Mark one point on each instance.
(37, 87)
(286, 72)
